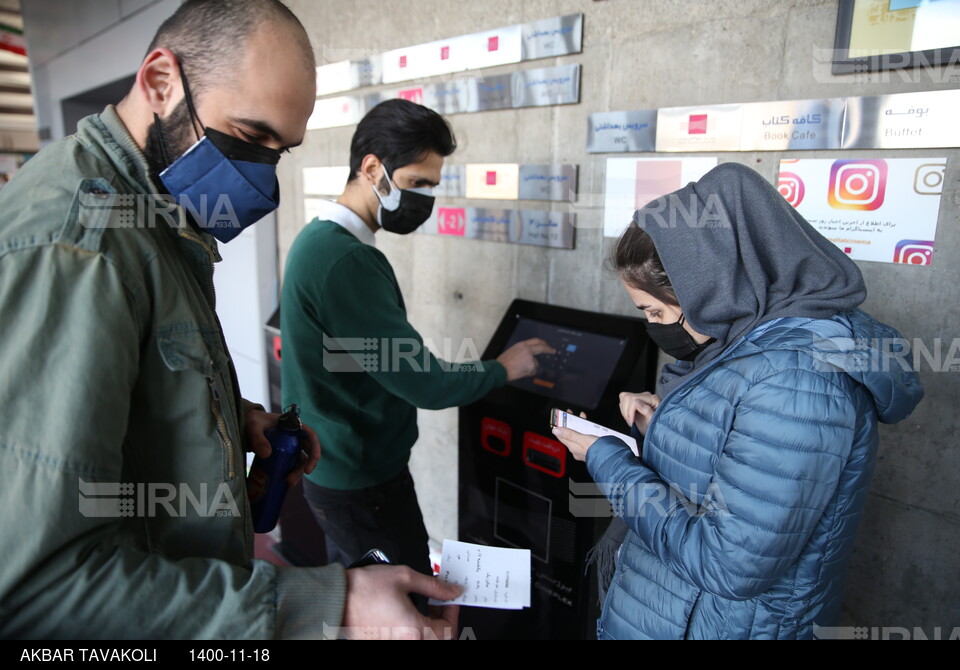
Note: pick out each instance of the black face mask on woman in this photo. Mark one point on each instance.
(674, 340)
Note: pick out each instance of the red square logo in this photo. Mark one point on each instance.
(452, 221)
(444, 53)
(493, 44)
(698, 124)
(403, 61)
(412, 94)
(491, 178)
(848, 250)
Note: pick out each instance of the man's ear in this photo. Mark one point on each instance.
(371, 169)
(158, 81)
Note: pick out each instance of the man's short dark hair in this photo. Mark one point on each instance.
(209, 37)
(400, 133)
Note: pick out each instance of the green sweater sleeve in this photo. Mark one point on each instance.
(360, 304)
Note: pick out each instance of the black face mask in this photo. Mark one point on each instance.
(402, 211)
(674, 340)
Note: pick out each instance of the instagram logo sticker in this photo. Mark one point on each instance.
(857, 184)
(452, 221)
(913, 252)
(791, 188)
(928, 179)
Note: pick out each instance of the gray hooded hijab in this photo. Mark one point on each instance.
(737, 255)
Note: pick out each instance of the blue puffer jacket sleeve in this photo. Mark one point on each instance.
(775, 470)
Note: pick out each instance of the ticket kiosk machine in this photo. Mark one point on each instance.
(519, 487)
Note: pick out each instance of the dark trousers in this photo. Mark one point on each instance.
(385, 517)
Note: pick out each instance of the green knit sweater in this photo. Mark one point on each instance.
(355, 365)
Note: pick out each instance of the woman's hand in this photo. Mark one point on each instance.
(638, 408)
(577, 443)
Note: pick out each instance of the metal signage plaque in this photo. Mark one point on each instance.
(903, 121)
(548, 182)
(529, 88)
(453, 181)
(559, 36)
(792, 125)
(547, 86)
(545, 229)
(501, 181)
(923, 120)
(616, 132)
(452, 98)
(528, 227)
(509, 181)
(491, 93)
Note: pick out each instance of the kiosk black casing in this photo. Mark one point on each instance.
(519, 487)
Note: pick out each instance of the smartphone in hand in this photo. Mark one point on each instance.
(561, 419)
(372, 557)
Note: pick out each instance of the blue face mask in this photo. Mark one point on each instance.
(224, 183)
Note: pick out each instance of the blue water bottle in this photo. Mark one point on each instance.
(267, 481)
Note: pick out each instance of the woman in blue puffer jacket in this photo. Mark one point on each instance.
(758, 447)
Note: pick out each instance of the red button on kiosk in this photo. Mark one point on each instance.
(495, 436)
(544, 454)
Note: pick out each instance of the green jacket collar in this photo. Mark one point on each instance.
(108, 132)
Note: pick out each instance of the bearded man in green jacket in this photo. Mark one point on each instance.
(122, 443)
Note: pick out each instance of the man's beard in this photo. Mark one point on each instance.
(176, 133)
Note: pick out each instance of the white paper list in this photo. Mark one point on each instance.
(574, 422)
(490, 576)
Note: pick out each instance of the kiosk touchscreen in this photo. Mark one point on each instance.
(519, 487)
(581, 368)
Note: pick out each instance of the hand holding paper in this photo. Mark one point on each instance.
(492, 577)
(585, 427)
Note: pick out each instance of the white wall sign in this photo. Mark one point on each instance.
(547, 38)
(706, 128)
(634, 182)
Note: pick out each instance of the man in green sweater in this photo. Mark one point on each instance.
(340, 294)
